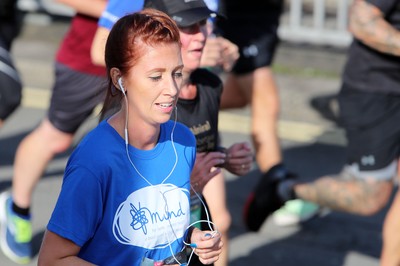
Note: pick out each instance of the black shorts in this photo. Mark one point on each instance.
(10, 83)
(257, 39)
(372, 124)
(74, 97)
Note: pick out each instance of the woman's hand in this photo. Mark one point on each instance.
(208, 245)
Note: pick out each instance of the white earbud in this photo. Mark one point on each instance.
(126, 121)
(120, 85)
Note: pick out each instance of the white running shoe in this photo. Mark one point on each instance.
(295, 212)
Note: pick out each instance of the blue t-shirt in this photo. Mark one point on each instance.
(116, 215)
(118, 8)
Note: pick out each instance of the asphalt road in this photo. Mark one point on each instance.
(312, 146)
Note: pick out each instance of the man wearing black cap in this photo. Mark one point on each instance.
(185, 13)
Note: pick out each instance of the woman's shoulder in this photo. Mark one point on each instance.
(99, 141)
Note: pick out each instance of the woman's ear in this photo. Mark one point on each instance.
(115, 75)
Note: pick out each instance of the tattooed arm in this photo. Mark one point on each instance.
(368, 25)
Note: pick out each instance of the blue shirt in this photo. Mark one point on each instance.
(118, 8)
(118, 214)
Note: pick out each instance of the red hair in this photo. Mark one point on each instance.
(128, 35)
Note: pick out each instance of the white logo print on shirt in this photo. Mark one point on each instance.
(152, 217)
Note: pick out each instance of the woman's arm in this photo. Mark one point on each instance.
(58, 251)
(98, 46)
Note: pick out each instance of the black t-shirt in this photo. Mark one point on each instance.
(263, 10)
(201, 113)
(370, 70)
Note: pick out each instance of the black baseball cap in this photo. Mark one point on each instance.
(184, 12)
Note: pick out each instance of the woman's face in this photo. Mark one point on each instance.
(193, 39)
(153, 83)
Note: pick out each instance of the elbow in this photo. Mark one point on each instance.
(97, 51)
(351, 28)
(355, 28)
(359, 33)
(97, 59)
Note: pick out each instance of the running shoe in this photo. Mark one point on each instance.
(15, 233)
(294, 212)
(264, 200)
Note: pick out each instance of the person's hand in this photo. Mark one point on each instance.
(212, 53)
(204, 169)
(219, 52)
(230, 54)
(208, 245)
(239, 158)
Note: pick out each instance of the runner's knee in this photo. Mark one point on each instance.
(57, 140)
(377, 189)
